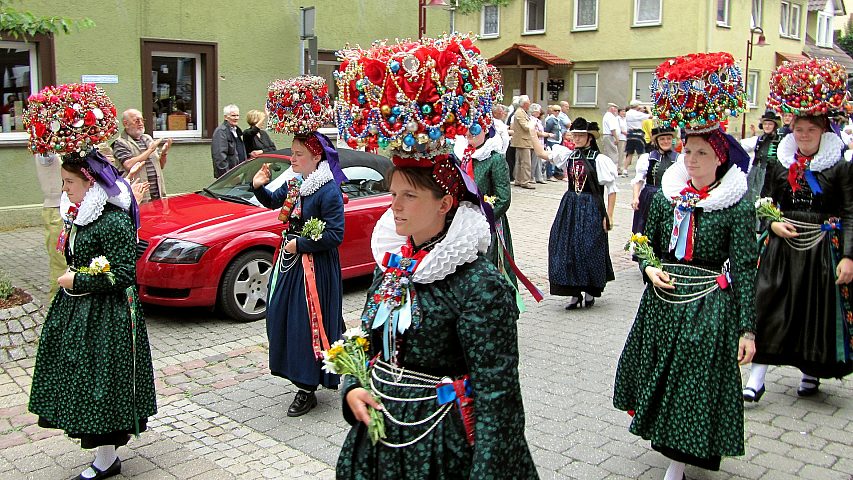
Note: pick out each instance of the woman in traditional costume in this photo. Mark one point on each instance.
(305, 290)
(93, 375)
(678, 373)
(803, 290)
(650, 169)
(441, 318)
(763, 149)
(579, 263)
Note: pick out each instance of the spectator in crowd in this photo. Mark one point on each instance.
(134, 147)
(554, 128)
(622, 139)
(537, 172)
(226, 148)
(48, 168)
(610, 134)
(255, 138)
(522, 139)
(499, 114)
(636, 144)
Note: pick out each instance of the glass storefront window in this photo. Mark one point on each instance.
(18, 80)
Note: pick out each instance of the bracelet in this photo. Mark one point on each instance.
(748, 336)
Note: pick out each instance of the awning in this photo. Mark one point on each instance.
(527, 56)
(789, 57)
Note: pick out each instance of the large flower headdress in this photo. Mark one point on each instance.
(413, 95)
(698, 91)
(69, 119)
(810, 87)
(298, 106)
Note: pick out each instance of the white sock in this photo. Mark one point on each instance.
(756, 376)
(587, 297)
(573, 300)
(104, 458)
(675, 471)
(803, 384)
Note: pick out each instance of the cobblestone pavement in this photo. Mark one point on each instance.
(221, 415)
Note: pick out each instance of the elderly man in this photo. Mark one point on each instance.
(134, 150)
(522, 139)
(226, 148)
(610, 134)
(636, 144)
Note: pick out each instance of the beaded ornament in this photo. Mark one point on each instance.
(298, 106)
(413, 95)
(810, 87)
(69, 118)
(698, 91)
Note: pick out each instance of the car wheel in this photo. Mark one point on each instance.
(245, 284)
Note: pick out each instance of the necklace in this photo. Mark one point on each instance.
(579, 175)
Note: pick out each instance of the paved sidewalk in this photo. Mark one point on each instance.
(221, 415)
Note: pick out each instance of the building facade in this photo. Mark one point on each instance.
(592, 52)
(179, 62)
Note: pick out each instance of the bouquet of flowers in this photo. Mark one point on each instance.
(349, 357)
(639, 245)
(767, 210)
(99, 266)
(313, 229)
(490, 199)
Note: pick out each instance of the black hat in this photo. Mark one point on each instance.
(663, 130)
(580, 125)
(772, 116)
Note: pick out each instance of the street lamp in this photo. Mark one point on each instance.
(749, 44)
(423, 4)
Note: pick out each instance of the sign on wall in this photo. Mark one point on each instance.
(99, 78)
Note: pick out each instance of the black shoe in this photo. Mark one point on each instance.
(752, 395)
(302, 404)
(589, 303)
(809, 391)
(114, 470)
(574, 306)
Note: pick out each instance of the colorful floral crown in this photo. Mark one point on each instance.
(413, 95)
(698, 91)
(298, 106)
(69, 118)
(493, 75)
(809, 87)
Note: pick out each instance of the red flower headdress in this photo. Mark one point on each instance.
(698, 91)
(809, 87)
(69, 118)
(298, 106)
(413, 95)
(493, 76)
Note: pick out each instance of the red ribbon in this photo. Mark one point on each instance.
(315, 315)
(797, 170)
(703, 194)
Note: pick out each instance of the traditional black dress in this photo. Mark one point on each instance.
(764, 159)
(463, 323)
(289, 328)
(679, 370)
(93, 375)
(804, 319)
(578, 252)
(650, 169)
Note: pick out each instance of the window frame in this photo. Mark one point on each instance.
(34, 85)
(483, 34)
(584, 28)
(727, 20)
(42, 73)
(199, 102)
(634, 73)
(794, 23)
(576, 102)
(825, 19)
(760, 10)
(525, 31)
(647, 23)
(207, 68)
(786, 19)
(753, 78)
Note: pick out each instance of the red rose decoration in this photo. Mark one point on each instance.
(89, 119)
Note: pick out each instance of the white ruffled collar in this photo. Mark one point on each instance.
(493, 144)
(827, 155)
(316, 179)
(94, 202)
(730, 190)
(467, 235)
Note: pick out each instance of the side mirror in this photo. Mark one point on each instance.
(346, 198)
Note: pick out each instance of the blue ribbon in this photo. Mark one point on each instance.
(446, 393)
(395, 260)
(829, 226)
(683, 230)
(813, 183)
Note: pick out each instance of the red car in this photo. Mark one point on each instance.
(215, 247)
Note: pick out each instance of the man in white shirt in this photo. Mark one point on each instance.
(499, 113)
(636, 143)
(610, 128)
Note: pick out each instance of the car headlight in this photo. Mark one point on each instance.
(173, 250)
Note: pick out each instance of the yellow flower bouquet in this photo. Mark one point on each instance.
(349, 357)
(99, 266)
(639, 246)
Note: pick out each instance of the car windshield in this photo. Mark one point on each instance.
(237, 183)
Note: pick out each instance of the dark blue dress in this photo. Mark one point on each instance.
(288, 328)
